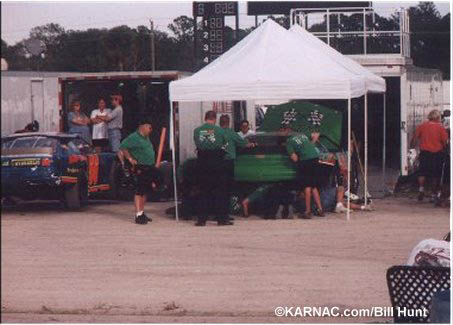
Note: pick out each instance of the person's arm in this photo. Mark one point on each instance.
(76, 120)
(294, 157)
(125, 146)
(291, 152)
(124, 154)
(109, 117)
(443, 136)
(241, 142)
(94, 119)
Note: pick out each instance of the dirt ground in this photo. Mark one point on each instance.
(98, 266)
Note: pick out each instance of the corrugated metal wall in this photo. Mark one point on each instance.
(425, 93)
(20, 94)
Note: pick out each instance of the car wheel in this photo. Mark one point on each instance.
(76, 196)
(120, 189)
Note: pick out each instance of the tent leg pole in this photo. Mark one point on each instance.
(366, 151)
(384, 140)
(173, 156)
(348, 214)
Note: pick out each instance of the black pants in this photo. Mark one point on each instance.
(212, 175)
(431, 163)
(146, 175)
(229, 169)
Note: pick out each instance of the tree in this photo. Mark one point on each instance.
(49, 33)
(183, 29)
(430, 37)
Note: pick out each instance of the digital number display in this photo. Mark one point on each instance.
(210, 38)
(209, 9)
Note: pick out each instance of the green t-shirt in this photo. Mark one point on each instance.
(302, 146)
(234, 141)
(140, 148)
(209, 137)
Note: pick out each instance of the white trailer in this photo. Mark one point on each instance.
(46, 97)
(411, 91)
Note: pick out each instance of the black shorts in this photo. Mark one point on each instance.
(146, 175)
(100, 142)
(431, 163)
(310, 173)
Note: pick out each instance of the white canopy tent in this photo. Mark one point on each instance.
(271, 63)
(374, 84)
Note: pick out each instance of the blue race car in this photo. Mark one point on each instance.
(57, 166)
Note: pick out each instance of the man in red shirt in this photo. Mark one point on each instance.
(433, 139)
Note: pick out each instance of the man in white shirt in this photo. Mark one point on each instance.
(245, 129)
(100, 136)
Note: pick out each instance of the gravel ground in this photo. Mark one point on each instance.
(98, 266)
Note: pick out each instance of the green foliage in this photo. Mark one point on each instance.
(129, 49)
(430, 38)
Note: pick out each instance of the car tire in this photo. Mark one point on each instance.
(76, 196)
(117, 190)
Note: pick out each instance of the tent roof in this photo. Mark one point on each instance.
(374, 83)
(271, 63)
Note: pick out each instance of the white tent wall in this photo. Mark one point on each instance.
(251, 114)
(190, 117)
(20, 94)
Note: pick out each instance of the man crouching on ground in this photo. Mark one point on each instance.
(138, 150)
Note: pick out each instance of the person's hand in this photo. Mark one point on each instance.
(132, 161)
(315, 136)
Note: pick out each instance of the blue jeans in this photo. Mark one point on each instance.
(328, 198)
(114, 139)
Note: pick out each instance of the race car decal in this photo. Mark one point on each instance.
(97, 188)
(93, 169)
(25, 162)
(68, 179)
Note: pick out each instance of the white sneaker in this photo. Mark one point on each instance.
(291, 212)
(366, 208)
(340, 208)
(278, 215)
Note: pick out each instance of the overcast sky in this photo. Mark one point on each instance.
(19, 17)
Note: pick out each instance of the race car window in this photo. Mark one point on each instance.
(71, 147)
(23, 142)
(46, 143)
(83, 146)
(6, 144)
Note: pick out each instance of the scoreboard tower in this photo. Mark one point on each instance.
(210, 34)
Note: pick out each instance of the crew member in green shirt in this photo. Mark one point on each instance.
(234, 141)
(303, 151)
(138, 150)
(211, 142)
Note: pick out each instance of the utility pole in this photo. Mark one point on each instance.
(153, 63)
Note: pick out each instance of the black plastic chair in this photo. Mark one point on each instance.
(412, 288)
